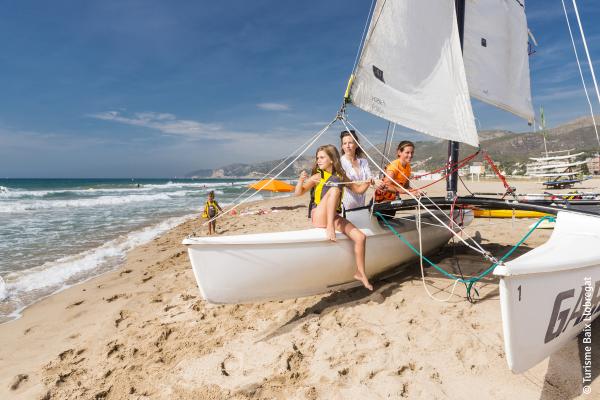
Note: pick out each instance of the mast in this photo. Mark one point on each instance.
(453, 147)
(543, 126)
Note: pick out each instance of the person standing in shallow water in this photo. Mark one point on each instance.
(211, 210)
(326, 204)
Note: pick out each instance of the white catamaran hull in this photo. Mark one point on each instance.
(552, 293)
(269, 266)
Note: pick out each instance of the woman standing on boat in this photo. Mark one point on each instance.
(325, 203)
(399, 170)
(357, 169)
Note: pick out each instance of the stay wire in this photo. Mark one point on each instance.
(362, 44)
(477, 248)
(587, 96)
(591, 65)
(418, 220)
(306, 145)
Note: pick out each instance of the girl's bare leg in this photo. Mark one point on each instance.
(359, 240)
(332, 198)
(323, 216)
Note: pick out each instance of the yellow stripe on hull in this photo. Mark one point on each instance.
(507, 214)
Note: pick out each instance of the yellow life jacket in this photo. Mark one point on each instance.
(208, 207)
(327, 181)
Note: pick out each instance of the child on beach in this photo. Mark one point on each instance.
(211, 210)
(326, 203)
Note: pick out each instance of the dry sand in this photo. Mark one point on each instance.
(142, 331)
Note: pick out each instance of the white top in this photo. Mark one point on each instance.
(351, 199)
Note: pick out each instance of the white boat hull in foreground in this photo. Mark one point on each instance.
(552, 293)
(279, 265)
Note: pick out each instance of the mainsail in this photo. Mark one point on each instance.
(496, 55)
(411, 70)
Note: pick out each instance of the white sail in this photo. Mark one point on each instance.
(411, 70)
(496, 55)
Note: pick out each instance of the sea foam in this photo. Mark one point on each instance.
(59, 274)
(23, 206)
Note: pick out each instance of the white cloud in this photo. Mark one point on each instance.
(544, 14)
(315, 124)
(560, 94)
(169, 124)
(273, 106)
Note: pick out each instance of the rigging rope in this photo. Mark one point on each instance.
(391, 144)
(385, 144)
(509, 189)
(473, 280)
(458, 165)
(452, 222)
(306, 145)
(362, 38)
(418, 220)
(587, 96)
(476, 248)
(591, 65)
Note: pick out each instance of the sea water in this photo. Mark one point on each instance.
(58, 232)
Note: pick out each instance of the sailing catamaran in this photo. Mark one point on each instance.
(419, 64)
(562, 170)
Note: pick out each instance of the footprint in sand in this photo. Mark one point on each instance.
(62, 356)
(28, 330)
(115, 297)
(77, 303)
(113, 347)
(123, 314)
(17, 380)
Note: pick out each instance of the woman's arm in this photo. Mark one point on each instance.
(305, 183)
(359, 188)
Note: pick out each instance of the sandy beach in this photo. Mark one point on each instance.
(142, 331)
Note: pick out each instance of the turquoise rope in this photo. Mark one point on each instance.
(469, 281)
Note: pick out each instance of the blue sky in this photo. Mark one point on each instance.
(156, 89)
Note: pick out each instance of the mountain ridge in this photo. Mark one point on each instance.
(508, 149)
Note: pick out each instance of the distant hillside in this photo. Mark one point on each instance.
(256, 170)
(506, 147)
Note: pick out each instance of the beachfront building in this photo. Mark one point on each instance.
(593, 164)
(476, 169)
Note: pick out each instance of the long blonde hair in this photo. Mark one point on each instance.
(334, 156)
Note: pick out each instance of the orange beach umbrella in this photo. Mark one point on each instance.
(273, 186)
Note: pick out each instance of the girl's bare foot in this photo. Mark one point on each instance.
(331, 234)
(364, 281)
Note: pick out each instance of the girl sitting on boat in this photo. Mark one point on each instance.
(325, 203)
(399, 170)
(357, 169)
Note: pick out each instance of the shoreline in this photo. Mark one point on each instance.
(100, 269)
(143, 331)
